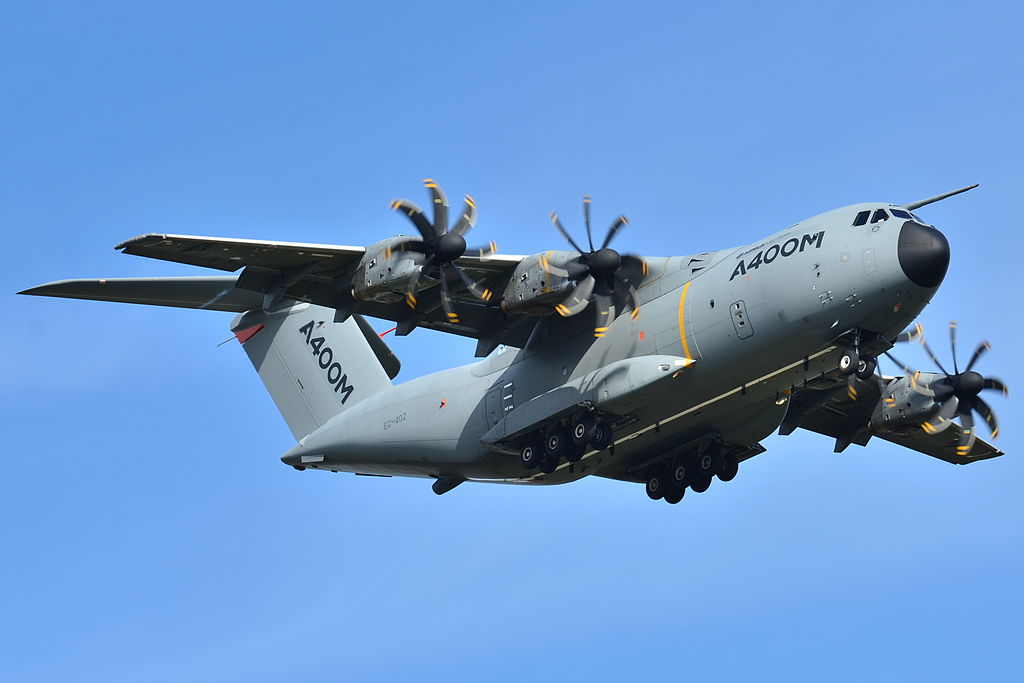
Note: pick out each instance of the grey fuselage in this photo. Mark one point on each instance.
(758, 320)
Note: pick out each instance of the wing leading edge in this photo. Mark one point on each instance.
(302, 272)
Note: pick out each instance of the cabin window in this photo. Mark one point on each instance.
(880, 215)
(861, 218)
(900, 213)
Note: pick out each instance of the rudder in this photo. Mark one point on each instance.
(313, 367)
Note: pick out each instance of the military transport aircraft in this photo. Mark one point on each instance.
(681, 367)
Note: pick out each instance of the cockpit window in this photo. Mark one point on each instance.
(880, 215)
(900, 213)
(861, 218)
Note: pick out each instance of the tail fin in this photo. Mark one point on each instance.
(313, 367)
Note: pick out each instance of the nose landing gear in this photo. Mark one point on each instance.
(855, 361)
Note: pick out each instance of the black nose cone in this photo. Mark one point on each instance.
(923, 253)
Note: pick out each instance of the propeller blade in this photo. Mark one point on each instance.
(578, 299)
(553, 269)
(912, 375)
(988, 415)
(576, 270)
(413, 245)
(446, 302)
(617, 225)
(851, 387)
(565, 234)
(415, 214)
(993, 383)
(468, 218)
(983, 347)
(573, 270)
(586, 220)
(634, 304)
(605, 311)
(906, 369)
(943, 419)
(952, 344)
(928, 350)
(440, 202)
(410, 290)
(911, 334)
(478, 290)
(605, 286)
(633, 269)
(967, 435)
(485, 250)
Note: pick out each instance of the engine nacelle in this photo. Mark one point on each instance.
(903, 409)
(534, 289)
(385, 270)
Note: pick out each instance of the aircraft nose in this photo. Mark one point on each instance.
(923, 254)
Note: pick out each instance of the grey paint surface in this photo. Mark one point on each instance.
(721, 342)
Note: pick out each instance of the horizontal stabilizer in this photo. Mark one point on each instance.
(213, 293)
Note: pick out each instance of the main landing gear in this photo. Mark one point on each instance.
(695, 471)
(570, 443)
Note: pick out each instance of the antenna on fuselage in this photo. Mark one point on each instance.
(937, 198)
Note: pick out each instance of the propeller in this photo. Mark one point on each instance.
(958, 392)
(603, 276)
(442, 246)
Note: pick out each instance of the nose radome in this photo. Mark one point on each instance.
(923, 253)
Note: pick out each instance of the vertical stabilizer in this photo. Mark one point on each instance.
(313, 367)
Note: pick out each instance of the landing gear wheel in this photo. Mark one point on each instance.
(703, 466)
(602, 438)
(866, 368)
(848, 362)
(582, 431)
(701, 483)
(677, 476)
(555, 444)
(673, 495)
(656, 486)
(530, 456)
(573, 453)
(730, 466)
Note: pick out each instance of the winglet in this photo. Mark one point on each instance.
(939, 197)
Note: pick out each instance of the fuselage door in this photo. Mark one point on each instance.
(493, 405)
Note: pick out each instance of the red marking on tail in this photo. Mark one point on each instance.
(381, 335)
(248, 333)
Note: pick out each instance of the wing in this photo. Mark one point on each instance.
(844, 416)
(224, 253)
(212, 293)
(303, 272)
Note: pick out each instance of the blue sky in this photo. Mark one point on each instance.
(150, 531)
